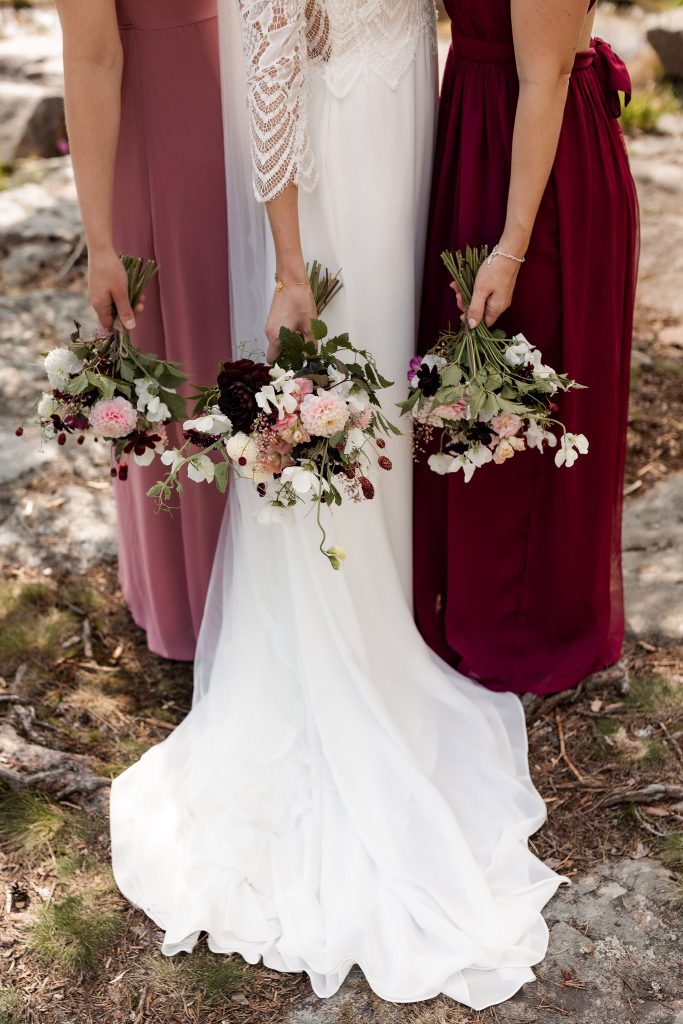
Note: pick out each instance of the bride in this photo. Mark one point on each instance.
(338, 795)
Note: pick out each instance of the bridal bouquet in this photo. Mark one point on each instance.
(305, 432)
(106, 387)
(489, 395)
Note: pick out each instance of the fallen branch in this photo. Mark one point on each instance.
(26, 765)
(656, 791)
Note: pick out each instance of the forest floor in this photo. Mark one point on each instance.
(76, 676)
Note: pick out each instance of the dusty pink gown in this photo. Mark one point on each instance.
(170, 204)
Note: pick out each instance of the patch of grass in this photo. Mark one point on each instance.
(12, 1006)
(653, 693)
(645, 109)
(607, 726)
(30, 622)
(213, 976)
(30, 823)
(656, 753)
(75, 933)
(671, 850)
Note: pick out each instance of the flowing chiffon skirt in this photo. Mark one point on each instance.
(338, 795)
(170, 205)
(518, 573)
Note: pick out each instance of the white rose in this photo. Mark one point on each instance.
(60, 365)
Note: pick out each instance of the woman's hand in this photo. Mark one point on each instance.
(493, 291)
(108, 290)
(292, 307)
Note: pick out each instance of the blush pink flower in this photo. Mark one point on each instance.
(276, 457)
(363, 419)
(506, 448)
(456, 411)
(304, 387)
(506, 424)
(113, 417)
(324, 414)
(291, 429)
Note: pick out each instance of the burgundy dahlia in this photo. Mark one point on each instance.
(238, 384)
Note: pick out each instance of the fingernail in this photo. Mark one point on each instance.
(471, 323)
(130, 324)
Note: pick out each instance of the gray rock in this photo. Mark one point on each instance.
(31, 120)
(616, 923)
(666, 36)
(653, 565)
(42, 208)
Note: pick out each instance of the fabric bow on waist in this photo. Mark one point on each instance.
(613, 75)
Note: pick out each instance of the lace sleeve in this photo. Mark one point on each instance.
(275, 51)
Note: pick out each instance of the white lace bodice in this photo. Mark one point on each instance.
(291, 46)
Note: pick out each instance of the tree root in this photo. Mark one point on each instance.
(25, 764)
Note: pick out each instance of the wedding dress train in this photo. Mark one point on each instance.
(338, 795)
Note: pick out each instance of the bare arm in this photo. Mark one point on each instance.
(93, 63)
(293, 306)
(546, 34)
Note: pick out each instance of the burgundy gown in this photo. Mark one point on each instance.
(518, 573)
(170, 204)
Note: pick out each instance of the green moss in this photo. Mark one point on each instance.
(607, 726)
(657, 752)
(75, 933)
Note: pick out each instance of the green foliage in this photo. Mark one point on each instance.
(645, 109)
(75, 933)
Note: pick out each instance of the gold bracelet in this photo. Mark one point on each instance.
(280, 285)
(508, 256)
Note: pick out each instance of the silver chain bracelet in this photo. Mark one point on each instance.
(508, 256)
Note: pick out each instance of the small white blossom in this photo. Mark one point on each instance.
(173, 458)
(302, 480)
(47, 406)
(536, 435)
(354, 441)
(571, 446)
(60, 365)
(214, 422)
(157, 411)
(146, 458)
(479, 455)
(273, 515)
(200, 468)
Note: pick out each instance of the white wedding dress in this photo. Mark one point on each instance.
(337, 795)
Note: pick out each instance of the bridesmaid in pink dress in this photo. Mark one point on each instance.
(152, 184)
(518, 573)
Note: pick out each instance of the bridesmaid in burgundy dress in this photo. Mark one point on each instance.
(145, 126)
(518, 573)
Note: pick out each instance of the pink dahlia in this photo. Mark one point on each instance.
(324, 414)
(113, 417)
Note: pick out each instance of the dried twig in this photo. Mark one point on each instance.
(677, 749)
(563, 750)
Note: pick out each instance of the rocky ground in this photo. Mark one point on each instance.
(75, 674)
